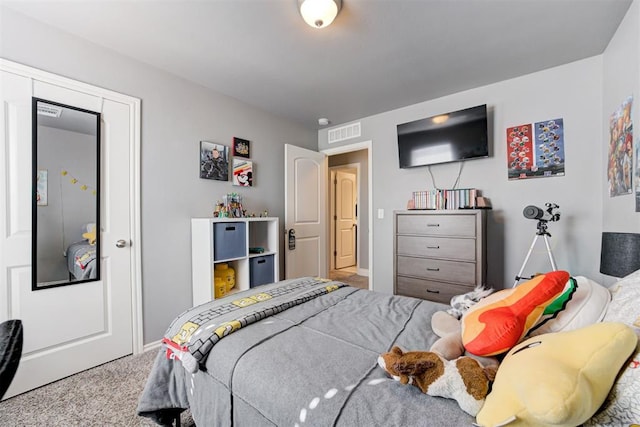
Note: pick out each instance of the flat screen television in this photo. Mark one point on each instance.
(455, 136)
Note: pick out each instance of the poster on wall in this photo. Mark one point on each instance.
(536, 150)
(620, 156)
(242, 173)
(241, 147)
(214, 161)
(42, 187)
(637, 177)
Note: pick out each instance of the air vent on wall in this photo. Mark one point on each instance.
(344, 132)
(49, 110)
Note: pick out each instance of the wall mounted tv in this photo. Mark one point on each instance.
(455, 136)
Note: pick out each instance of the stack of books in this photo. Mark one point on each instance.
(461, 198)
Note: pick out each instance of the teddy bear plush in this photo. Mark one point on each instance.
(462, 379)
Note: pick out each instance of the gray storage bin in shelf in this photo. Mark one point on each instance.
(260, 270)
(229, 240)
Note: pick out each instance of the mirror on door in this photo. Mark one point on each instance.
(66, 195)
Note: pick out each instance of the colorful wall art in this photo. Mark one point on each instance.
(536, 150)
(242, 173)
(620, 158)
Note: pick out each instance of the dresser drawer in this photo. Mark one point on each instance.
(437, 247)
(428, 268)
(437, 225)
(428, 289)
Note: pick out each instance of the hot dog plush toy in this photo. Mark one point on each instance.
(498, 322)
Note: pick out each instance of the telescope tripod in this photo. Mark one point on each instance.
(542, 231)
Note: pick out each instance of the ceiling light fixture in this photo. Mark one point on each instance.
(319, 13)
(440, 119)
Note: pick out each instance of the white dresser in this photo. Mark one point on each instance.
(439, 253)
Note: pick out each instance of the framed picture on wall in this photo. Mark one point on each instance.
(241, 148)
(214, 161)
(242, 173)
(41, 188)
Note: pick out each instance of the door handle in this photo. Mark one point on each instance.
(121, 243)
(292, 239)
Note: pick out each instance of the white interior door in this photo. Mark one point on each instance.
(70, 328)
(346, 221)
(305, 212)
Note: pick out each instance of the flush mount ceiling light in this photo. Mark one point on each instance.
(319, 13)
(440, 119)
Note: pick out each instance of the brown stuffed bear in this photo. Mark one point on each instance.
(463, 379)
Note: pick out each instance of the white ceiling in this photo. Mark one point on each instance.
(378, 55)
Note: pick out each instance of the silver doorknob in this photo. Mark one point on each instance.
(121, 243)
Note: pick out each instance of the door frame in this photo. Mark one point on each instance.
(332, 204)
(134, 172)
(365, 145)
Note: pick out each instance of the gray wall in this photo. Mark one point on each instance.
(621, 79)
(572, 92)
(176, 116)
(361, 158)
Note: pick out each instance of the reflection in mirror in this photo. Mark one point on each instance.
(66, 195)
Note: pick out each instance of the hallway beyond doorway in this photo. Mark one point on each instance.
(350, 277)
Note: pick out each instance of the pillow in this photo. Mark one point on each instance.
(499, 321)
(557, 379)
(622, 406)
(587, 306)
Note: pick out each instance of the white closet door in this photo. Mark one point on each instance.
(70, 328)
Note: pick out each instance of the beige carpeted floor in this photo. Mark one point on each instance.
(103, 396)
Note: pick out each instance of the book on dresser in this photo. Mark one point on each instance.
(439, 253)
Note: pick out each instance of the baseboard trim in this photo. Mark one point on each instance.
(152, 346)
(363, 272)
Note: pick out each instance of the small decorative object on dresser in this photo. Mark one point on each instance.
(439, 254)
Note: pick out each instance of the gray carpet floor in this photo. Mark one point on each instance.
(103, 396)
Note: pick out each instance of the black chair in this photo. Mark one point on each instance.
(11, 337)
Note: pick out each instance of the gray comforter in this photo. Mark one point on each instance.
(313, 364)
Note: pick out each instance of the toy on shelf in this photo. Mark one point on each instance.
(226, 273)
(230, 207)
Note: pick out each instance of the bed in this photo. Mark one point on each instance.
(308, 357)
(81, 260)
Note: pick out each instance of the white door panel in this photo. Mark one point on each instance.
(305, 211)
(15, 187)
(67, 329)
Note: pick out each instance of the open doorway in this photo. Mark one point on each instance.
(348, 215)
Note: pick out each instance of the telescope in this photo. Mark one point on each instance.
(548, 214)
(543, 216)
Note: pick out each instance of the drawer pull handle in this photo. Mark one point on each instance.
(433, 247)
(433, 225)
(230, 228)
(432, 292)
(433, 269)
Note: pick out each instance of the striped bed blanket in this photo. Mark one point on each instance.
(193, 334)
